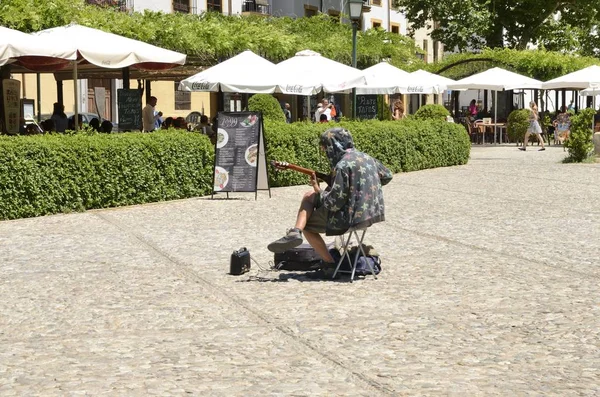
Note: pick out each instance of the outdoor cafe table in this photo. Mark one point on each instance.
(501, 127)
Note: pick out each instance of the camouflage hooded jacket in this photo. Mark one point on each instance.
(355, 197)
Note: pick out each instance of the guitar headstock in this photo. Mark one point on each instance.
(280, 165)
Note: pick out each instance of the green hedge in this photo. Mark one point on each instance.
(268, 105)
(432, 112)
(517, 124)
(580, 144)
(48, 174)
(404, 146)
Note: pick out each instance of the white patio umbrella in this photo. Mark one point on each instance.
(32, 51)
(587, 80)
(308, 72)
(592, 90)
(424, 82)
(383, 79)
(245, 73)
(580, 80)
(111, 51)
(495, 79)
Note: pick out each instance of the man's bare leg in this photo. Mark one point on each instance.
(293, 238)
(307, 206)
(317, 242)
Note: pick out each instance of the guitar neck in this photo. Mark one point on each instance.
(324, 177)
(303, 170)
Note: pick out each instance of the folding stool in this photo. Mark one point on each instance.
(345, 251)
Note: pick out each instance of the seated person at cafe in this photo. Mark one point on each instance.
(95, 124)
(72, 122)
(562, 125)
(204, 126)
(48, 125)
(483, 113)
(106, 126)
(168, 123)
(472, 112)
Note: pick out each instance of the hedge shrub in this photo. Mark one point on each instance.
(580, 144)
(431, 112)
(408, 146)
(268, 105)
(517, 124)
(47, 174)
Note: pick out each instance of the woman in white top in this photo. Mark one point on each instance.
(534, 127)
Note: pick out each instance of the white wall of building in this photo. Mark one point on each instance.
(385, 15)
(281, 8)
(200, 6)
(236, 6)
(152, 5)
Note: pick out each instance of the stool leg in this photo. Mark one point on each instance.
(357, 255)
(364, 254)
(346, 254)
(345, 243)
(360, 251)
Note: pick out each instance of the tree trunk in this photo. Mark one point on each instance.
(495, 37)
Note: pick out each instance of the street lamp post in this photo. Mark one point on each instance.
(355, 14)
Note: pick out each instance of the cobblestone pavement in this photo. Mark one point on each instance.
(490, 286)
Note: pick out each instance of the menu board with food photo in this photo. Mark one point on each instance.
(239, 153)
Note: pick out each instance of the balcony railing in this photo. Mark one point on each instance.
(256, 7)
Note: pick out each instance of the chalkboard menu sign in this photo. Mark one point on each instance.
(240, 163)
(366, 106)
(130, 109)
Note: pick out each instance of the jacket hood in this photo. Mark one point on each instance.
(336, 141)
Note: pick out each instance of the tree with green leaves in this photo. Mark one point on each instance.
(211, 37)
(474, 24)
(539, 64)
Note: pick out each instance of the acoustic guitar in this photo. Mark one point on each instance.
(282, 165)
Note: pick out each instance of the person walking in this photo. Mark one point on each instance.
(534, 127)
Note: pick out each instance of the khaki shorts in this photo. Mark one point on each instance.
(317, 223)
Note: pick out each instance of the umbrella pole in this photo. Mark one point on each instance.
(75, 92)
(308, 109)
(496, 117)
(39, 97)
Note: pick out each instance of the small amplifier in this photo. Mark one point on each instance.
(240, 262)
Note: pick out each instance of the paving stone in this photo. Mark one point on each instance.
(490, 286)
